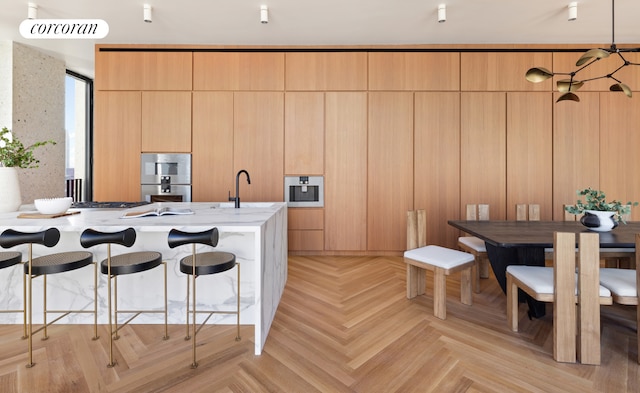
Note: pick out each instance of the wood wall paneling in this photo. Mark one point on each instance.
(116, 146)
(258, 144)
(530, 152)
(483, 151)
(619, 143)
(166, 121)
(497, 71)
(437, 163)
(390, 169)
(576, 156)
(212, 151)
(304, 133)
(414, 71)
(318, 71)
(238, 71)
(566, 62)
(345, 178)
(143, 70)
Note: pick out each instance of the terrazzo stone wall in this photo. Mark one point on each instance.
(32, 95)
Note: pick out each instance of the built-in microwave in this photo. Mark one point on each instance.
(304, 191)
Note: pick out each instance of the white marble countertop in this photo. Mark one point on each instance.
(223, 215)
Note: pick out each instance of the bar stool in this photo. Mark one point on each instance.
(129, 263)
(50, 264)
(8, 259)
(198, 264)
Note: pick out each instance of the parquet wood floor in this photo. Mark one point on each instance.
(343, 325)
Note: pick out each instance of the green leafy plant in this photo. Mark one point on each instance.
(14, 154)
(597, 200)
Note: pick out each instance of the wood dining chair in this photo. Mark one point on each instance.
(476, 246)
(558, 285)
(623, 286)
(526, 212)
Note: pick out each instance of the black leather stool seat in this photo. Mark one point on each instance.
(133, 262)
(208, 263)
(58, 263)
(9, 258)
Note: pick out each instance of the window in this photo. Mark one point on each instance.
(79, 131)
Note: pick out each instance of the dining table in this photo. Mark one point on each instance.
(524, 243)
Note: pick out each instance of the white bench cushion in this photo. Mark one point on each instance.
(473, 242)
(621, 282)
(540, 279)
(445, 258)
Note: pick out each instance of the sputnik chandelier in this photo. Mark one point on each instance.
(569, 86)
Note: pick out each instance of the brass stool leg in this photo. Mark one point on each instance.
(166, 329)
(30, 278)
(115, 308)
(95, 302)
(238, 338)
(44, 312)
(111, 363)
(194, 364)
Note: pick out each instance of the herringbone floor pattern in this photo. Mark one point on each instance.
(344, 325)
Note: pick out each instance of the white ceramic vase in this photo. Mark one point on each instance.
(599, 221)
(10, 199)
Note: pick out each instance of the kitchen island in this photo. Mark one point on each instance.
(256, 233)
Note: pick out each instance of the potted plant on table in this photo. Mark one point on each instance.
(600, 215)
(13, 154)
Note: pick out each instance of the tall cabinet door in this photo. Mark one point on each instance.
(619, 142)
(304, 133)
(212, 154)
(483, 151)
(437, 163)
(258, 144)
(390, 170)
(117, 134)
(529, 152)
(576, 154)
(346, 172)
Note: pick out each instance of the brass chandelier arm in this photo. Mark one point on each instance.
(569, 86)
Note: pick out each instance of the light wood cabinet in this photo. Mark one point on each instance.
(495, 71)
(143, 70)
(483, 151)
(212, 151)
(238, 71)
(414, 71)
(305, 227)
(619, 142)
(166, 122)
(576, 155)
(258, 144)
(319, 71)
(529, 152)
(345, 179)
(304, 134)
(116, 146)
(390, 170)
(437, 163)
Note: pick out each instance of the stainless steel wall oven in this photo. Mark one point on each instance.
(165, 177)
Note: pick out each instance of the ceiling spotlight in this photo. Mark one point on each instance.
(264, 14)
(32, 11)
(147, 13)
(442, 13)
(573, 10)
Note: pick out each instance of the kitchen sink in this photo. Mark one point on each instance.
(255, 205)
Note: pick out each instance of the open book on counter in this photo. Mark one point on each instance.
(164, 211)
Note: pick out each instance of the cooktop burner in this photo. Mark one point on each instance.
(107, 205)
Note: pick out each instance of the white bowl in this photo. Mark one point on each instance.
(53, 205)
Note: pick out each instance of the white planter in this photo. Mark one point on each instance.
(599, 221)
(11, 199)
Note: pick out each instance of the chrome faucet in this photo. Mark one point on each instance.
(237, 197)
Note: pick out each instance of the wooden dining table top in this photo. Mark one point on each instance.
(540, 233)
